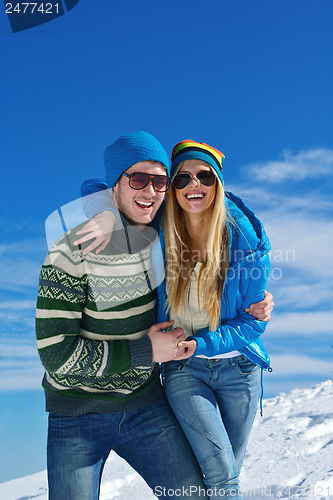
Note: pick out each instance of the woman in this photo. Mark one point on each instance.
(222, 251)
(216, 266)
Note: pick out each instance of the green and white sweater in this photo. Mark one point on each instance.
(93, 316)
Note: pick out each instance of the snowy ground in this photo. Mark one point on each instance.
(290, 455)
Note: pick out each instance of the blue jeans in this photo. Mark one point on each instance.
(149, 439)
(215, 402)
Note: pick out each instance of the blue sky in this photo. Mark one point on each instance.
(250, 77)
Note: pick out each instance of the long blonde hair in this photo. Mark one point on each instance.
(178, 266)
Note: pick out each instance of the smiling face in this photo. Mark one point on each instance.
(139, 206)
(195, 198)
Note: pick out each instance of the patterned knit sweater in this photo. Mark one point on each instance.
(93, 316)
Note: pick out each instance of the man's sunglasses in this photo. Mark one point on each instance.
(139, 180)
(204, 177)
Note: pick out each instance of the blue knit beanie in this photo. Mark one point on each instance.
(130, 149)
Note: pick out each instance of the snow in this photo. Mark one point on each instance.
(289, 455)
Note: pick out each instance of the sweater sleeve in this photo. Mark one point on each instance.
(62, 296)
(236, 333)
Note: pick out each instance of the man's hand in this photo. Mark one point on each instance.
(262, 310)
(165, 344)
(100, 228)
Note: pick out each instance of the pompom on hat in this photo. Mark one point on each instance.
(191, 150)
(130, 149)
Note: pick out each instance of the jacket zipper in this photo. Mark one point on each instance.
(189, 307)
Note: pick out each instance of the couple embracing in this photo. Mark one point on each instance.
(110, 326)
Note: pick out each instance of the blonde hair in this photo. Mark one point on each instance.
(213, 271)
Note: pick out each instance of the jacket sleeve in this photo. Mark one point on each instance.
(96, 198)
(234, 334)
(60, 304)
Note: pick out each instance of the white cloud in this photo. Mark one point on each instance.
(304, 244)
(20, 264)
(300, 228)
(265, 197)
(18, 348)
(310, 164)
(293, 294)
(288, 364)
(18, 305)
(17, 317)
(21, 378)
(301, 324)
(20, 367)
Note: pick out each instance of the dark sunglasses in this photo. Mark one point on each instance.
(139, 180)
(204, 177)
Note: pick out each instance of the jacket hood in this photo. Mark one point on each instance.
(248, 238)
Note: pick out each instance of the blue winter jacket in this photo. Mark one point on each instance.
(245, 282)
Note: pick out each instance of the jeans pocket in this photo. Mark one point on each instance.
(245, 366)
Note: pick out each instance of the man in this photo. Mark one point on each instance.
(99, 350)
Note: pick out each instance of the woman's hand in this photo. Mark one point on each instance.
(100, 228)
(262, 310)
(188, 348)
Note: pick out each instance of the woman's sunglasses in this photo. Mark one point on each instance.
(139, 180)
(204, 177)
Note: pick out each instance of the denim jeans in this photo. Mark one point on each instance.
(149, 439)
(215, 402)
